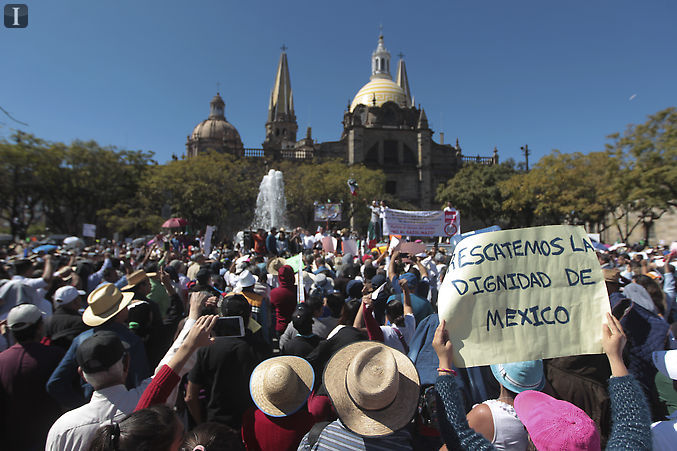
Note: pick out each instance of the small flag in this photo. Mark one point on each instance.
(352, 184)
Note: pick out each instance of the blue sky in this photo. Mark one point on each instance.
(140, 74)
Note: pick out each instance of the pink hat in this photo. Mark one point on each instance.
(554, 425)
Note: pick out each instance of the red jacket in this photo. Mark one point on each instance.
(283, 298)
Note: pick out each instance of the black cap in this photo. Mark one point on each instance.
(302, 319)
(100, 351)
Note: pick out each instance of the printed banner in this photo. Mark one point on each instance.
(524, 294)
(421, 223)
(327, 212)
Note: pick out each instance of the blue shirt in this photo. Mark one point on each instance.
(70, 391)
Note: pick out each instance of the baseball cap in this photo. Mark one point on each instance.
(100, 351)
(23, 316)
(66, 295)
(666, 362)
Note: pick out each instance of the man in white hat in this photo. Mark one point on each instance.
(66, 322)
(26, 410)
(374, 390)
(107, 310)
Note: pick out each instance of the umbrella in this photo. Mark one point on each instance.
(138, 242)
(73, 242)
(174, 222)
(44, 248)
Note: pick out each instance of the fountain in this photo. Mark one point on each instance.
(271, 205)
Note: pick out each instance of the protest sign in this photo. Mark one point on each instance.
(209, 233)
(328, 244)
(421, 223)
(524, 294)
(349, 246)
(89, 230)
(296, 262)
(412, 248)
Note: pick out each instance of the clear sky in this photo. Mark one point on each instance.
(140, 74)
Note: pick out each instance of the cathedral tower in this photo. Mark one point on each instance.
(281, 125)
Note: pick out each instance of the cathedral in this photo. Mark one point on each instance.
(382, 129)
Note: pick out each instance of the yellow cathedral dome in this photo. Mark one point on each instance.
(383, 90)
(381, 87)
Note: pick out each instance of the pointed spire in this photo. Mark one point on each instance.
(217, 108)
(281, 102)
(422, 120)
(403, 80)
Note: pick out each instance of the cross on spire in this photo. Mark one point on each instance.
(284, 48)
(218, 87)
(380, 30)
(401, 55)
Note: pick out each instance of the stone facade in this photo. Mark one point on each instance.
(382, 129)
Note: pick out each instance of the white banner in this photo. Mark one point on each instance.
(524, 294)
(421, 223)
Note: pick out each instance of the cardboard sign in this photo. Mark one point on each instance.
(328, 244)
(209, 233)
(412, 248)
(349, 246)
(421, 223)
(524, 294)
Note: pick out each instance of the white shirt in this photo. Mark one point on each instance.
(308, 241)
(664, 433)
(74, 430)
(390, 337)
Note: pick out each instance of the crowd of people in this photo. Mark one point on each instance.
(283, 341)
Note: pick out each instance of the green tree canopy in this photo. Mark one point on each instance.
(474, 191)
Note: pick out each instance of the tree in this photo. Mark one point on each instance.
(649, 151)
(93, 179)
(474, 191)
(209, 189)
(571, 188)
(28, 168)
(307, 183)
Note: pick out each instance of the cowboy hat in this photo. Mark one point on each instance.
(136, 278)
(275, 264)
(105, 302)
(281, 385)
(373, 387)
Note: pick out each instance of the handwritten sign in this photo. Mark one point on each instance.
(524, 294)
(421, 223)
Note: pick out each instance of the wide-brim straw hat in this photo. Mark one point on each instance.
(373, 387)
(105, 302)
(275, 264)
(280, 386)
(136, 278)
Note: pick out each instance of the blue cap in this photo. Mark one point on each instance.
(411, 279)
(520, 376)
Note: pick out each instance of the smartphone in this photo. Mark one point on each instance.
(229, 326)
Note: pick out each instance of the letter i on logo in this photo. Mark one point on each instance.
(16, 15)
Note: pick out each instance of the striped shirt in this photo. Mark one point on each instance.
(336, 437)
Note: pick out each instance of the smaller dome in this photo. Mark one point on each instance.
(384, 90)
(217, 129)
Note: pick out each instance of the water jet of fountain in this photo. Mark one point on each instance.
(271, 205)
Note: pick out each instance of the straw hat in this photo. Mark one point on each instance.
(275, 264)
(373, 387)
(136, 278)
(104, 303)
(281, 385)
